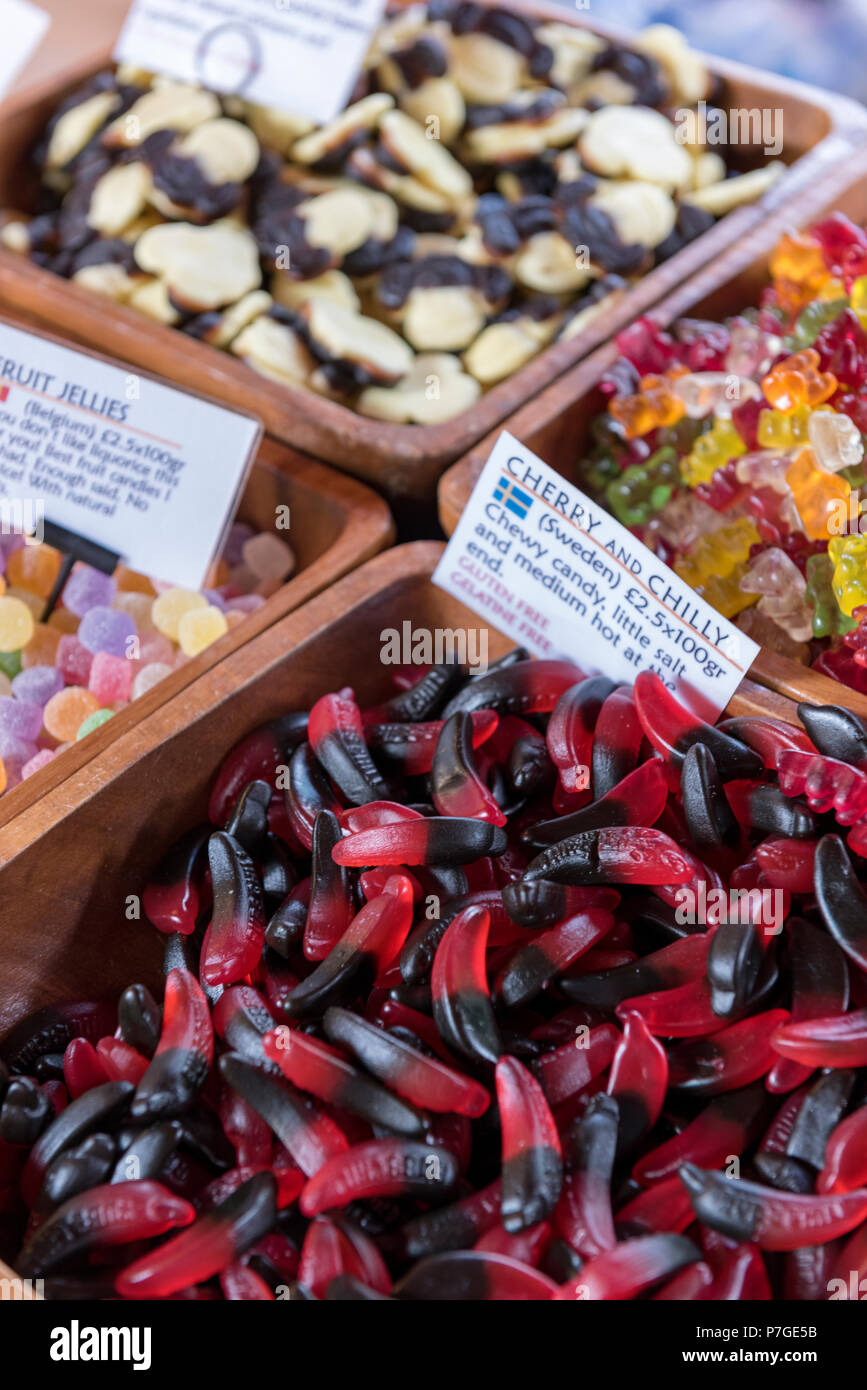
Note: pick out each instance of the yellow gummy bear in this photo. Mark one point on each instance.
(710, 452)
(778, 431)
(858, 298)
(726, 595)
(717, 556)
(849, 580)
(819, 496)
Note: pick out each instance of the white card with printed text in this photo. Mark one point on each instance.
(148, 472)
(290, 54)
(543, 563)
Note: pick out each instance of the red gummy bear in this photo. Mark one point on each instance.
(844, 246)
(647, 347)
(842, 349)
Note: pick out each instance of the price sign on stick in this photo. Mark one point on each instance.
(129, 466)
(289, 54)
(548, 566)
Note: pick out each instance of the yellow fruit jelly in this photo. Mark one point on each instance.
(16, 624)
(199, 627)
(170, 606)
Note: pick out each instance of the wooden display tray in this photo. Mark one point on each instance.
(402, 460)
(69, 862)
(336, 524)
(555, 425)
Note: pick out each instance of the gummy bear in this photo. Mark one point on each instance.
(842, 349)
(682, 520)
(812, 320)
(745, 418)
(724, 593)
(849, 558)
(840, 665)
(654, 405)
(844, 246)
(835, 441)
(783, 592)
(774, 513)
(621, 379)
(711, 451)
(680, 436)
(714, 393)
(763, 469)
(858, 298)
(599, 470)
(642, 489)
(855, 406)
(703, 344)
(856, 638)
(799, 259)
(718, 555)
(723, 492)
(797, 380)
(821, 498)
(779, 431)
(828, 619)
(647, 346)
(751, 351)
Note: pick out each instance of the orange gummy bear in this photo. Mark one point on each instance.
(818, 495)
(655, 406)
(798, 381)
(800, 259)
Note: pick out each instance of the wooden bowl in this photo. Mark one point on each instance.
(71, 863)
(403, 460)
(555, 425)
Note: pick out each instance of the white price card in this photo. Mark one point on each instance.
(297, 55)
(21, 28)
(551, 569)
(118, 458)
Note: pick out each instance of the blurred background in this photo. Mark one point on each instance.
(818, 41)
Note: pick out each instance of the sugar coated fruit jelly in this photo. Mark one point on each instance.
(109, 640)
(424, 1035)
(735, 451)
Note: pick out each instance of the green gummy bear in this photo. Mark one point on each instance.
(828, 619)
(854, 475)
(598, 471)
(643, 488)
(682, 435)
(812, 320)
